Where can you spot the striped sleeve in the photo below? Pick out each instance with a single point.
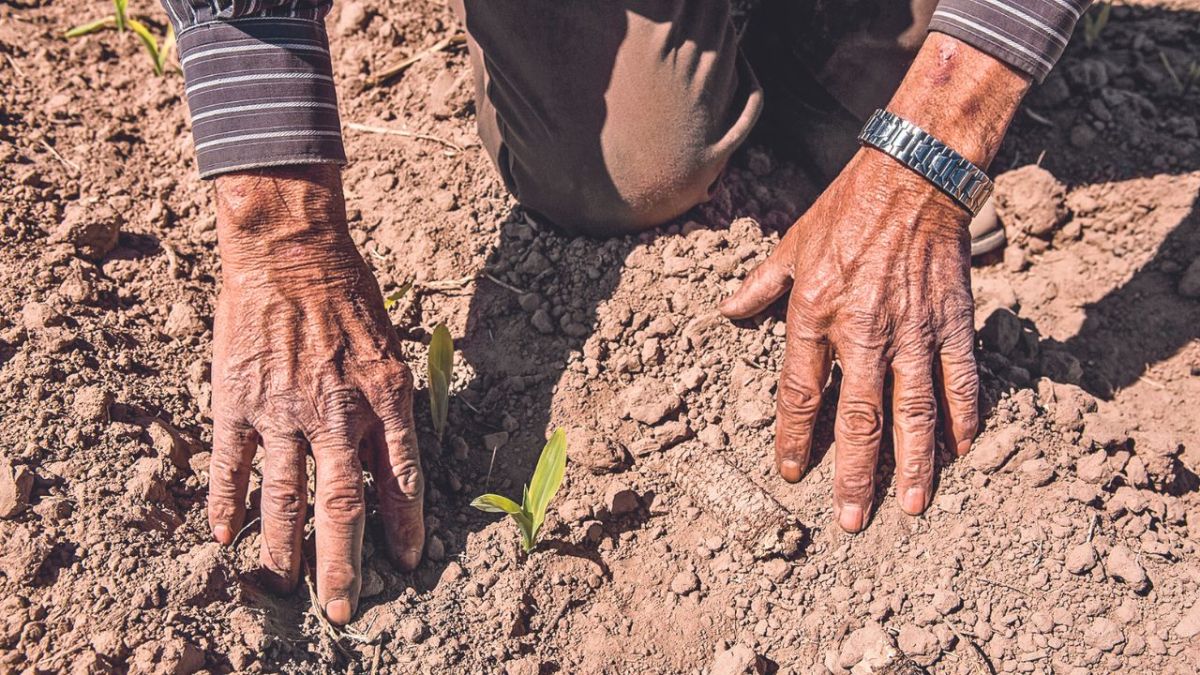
(1029, 35)
(259, 82)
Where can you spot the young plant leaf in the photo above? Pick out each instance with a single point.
(149, 41)
(496, 504)
(91, 27)
(119, 9)
(395, 296)
(441, 375)
(536, 495)
(547, 477)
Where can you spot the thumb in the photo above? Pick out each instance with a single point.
(764, 285)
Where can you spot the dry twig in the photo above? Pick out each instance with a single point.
(403, 133)
(399, 68)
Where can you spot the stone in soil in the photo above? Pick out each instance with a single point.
(620, 499)
(1031, 201)
(16, 482)
(1121, 565)
(93, 229)
(737, 660)
(1080, 559)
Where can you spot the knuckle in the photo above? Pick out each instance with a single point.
(337, 575)
(962, 383)
(856, 484)
(284, 503)
(916, 413)
(407, 482)
(797, 398)
(343, 503)
(860, 422)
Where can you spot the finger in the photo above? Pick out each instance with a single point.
(339, 516)
(914, 420)
(763, 285)
(234, 443)
(857, 433)
(958, 388)
(400, 484)
(806, 364)
(284, 507)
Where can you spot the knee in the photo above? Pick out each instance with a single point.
(629, 192)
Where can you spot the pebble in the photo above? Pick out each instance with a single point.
(1121, 564)
(183, 321)
(776, 569)
(353, 18)
(620, 499)
(602, 457)
(92, 228)
(737, 660)
(1080, 559)
(946, 602)
(16, 482)
(684, 583)
(413, 630)
(435, 550)
(91, 404)
(992, 450)
(542, 322)
(919, 644)
(648, 409)
(1039, 471)
(1104, 634)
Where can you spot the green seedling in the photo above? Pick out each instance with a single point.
(531, 512)
(121, 21)
(441, 374)
(1093, 24)
(1190, 74)
(396, 296)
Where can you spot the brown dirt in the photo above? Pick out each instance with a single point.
(1068, 541)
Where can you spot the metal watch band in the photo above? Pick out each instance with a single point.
(966, 183)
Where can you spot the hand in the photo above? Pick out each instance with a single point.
(879, 272)
(304, 359)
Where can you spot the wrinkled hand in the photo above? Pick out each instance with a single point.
(879, 272)
(306, 360)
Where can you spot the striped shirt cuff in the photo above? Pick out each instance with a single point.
(1029, 35)
(261, 93)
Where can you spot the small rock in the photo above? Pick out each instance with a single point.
(1039, 471)
(1104, 634)
(435, 549)
(737, 660)
(91, 404)
(946, 602)
(620, 499)
(777, 569)
(1121, 564)
(1030, 200)
(16, 482)
(1094, 468)
(183, 321)
(170, 445)
(649, 409)
(1061, 366)
(867, 650)
(919, 644)
(1080, 559)
(372, 583)
(93, 229)
(1001, 332)
(352, 19)
(542, 322)
(38, 315)
(602, 457)
(413, 631)
(993, 450)
(684, 583)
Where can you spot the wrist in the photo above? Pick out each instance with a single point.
(961, 96)
(282, 219)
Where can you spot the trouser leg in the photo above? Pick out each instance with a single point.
(609, 116)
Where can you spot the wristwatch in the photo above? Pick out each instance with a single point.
(966, 183)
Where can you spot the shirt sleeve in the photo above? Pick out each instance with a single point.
(259, 82)
(1029, 35)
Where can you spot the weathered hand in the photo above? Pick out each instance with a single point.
(879, 271)
(304, 358)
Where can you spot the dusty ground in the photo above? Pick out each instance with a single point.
(1069, 541)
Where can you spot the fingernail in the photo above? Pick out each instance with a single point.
(791, 470)
(963, 446)
(410, 559)
(338, 611)
(851, 517)
(223, 534)
(913, 501)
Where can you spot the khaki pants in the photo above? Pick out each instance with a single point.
(613, 116)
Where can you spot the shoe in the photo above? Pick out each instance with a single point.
(987, 235)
